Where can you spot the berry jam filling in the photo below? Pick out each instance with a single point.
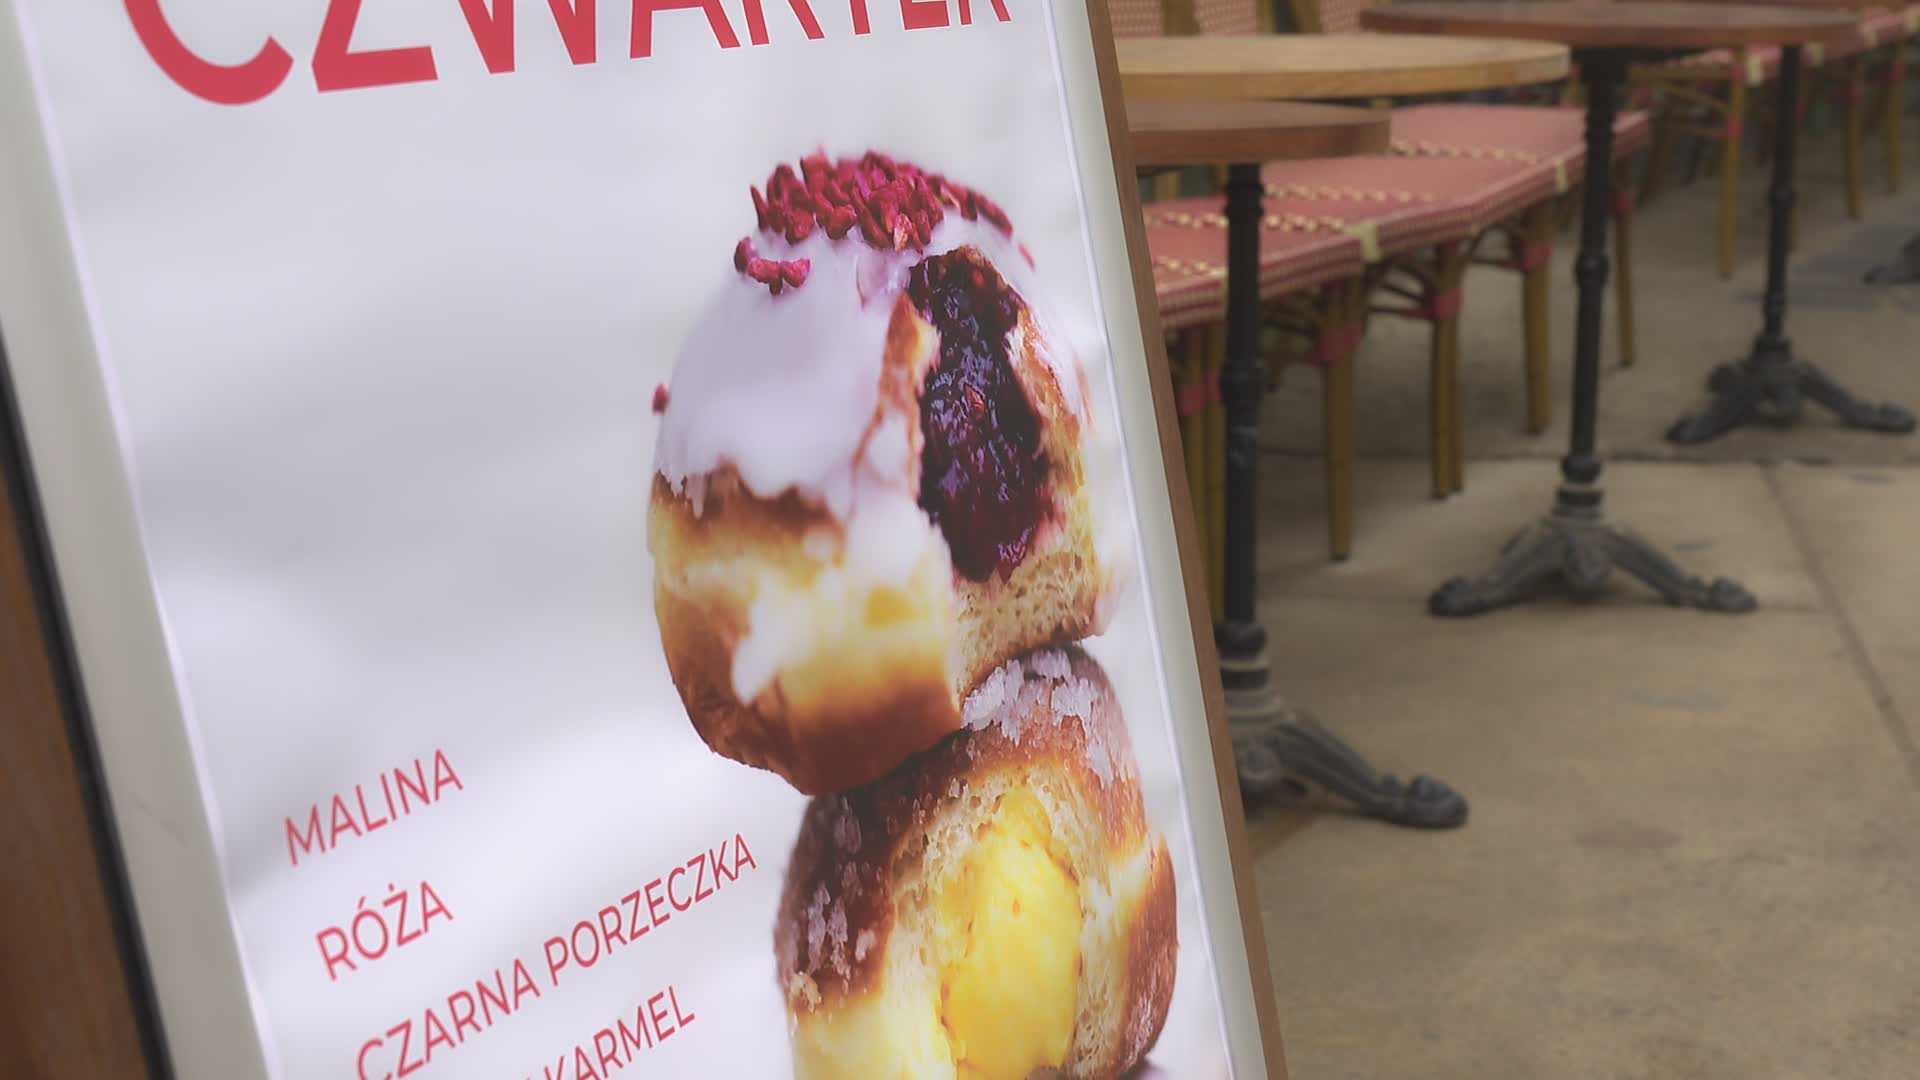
(983, 477)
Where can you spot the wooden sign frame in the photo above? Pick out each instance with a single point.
(80, 988)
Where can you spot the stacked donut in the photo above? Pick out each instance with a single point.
(873, 537)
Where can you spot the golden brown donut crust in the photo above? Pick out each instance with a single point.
(851, 708)
(849, 845)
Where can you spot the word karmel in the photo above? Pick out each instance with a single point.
(338, 65)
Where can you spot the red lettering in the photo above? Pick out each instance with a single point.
(1000, 10)
(576, 23)
(342, 822)
(700, 889)
(493, 32)
(418, 786)
(555, 963)
(222, 84)
(337, 67)
(444, 775)
(611, 931)
(658, 1015)
(721, 871)
(360, 797)
(494, 997)
(630, 1041)
(462, 1021)
(741, 856)
(361, 1061)
(923, 14)
(522, 983)
(405, 1031)
(308, 841)
(592, 938)
(436, 1035)
(634, 929)
(677, 873)
(860, 24)
(643, 12)
(607, 1052)
(655, 903)
(583, 1066)
(757, 21)
(683, 1018)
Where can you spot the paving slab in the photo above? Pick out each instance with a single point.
(1862, 529)
(1716, 520)
(1692, 853)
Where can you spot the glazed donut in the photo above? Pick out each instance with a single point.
(869, 487)
(997, 908)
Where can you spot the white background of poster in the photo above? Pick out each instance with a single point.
(519, 255)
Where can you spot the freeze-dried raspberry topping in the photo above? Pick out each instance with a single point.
(892, 205)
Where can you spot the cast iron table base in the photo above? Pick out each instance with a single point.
(1275, 746)
(1771, 381)
(1575, 543)
(1902, 271)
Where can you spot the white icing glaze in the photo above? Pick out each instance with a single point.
(783, 388)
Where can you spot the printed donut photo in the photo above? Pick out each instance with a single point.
(870, 488)
(996, 909)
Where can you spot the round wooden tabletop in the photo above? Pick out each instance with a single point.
(1202, 132)
(1830, 5)
(1626, 24)
(1329, 66)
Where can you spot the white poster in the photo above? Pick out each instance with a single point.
(635, 494)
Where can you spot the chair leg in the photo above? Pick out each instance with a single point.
(1336, 387)
(1448, 279)
(1622, 290)
(1439, 412)
(1850, 88)
(1730, 163)
(1666, 131)
(1536, 233)
(1890, 123)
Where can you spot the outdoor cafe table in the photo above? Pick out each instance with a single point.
(1772, 376)
(1320, 66)
(1574, 542)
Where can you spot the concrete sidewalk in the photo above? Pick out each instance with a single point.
(1695, 843)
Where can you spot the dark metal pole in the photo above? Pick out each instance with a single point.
(1276, 746)
(1241, 385)
(1773, 306)
(1772, 379)
(1603, 72)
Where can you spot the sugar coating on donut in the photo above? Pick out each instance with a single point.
(781, 381)
(1041, 688)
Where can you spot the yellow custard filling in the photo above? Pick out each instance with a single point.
(1010, 926)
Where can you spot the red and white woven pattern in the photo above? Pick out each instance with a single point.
(1341, 16)
(1227, 16)
(1480, 193)
(1762, 63)
(1136, 18)
(1886, 28)
(1187, 239)
(1550, 138)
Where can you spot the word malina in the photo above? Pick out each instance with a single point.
(338, 64)
(371, 807)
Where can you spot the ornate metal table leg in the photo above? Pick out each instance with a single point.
(1270, 741)
(1771, 379)
(1902, 271)
(1296, 751)
(1574, 544)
